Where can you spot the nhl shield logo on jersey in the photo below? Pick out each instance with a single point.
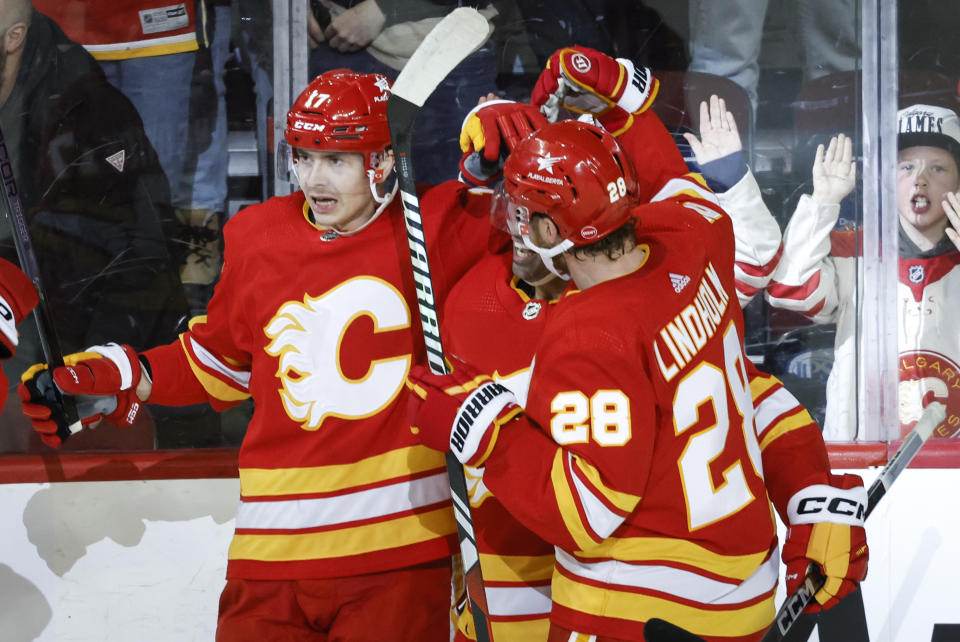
(923, 373)
(532, 310)
(916, 274)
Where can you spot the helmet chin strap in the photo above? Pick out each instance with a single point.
(382, 201)
(547, 254)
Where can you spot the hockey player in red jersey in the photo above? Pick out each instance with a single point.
(637, 454)
(17, 298)
(344, 528)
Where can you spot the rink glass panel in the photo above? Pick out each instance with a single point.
(120, 278)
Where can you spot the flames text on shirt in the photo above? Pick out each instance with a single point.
(690, 330)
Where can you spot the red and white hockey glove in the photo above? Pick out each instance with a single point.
(826, 528)
(462, 411)
(17, 298)
(587, 81)
(103, 377)
(489, 132)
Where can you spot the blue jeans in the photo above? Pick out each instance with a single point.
(207, 186)
(159, 88)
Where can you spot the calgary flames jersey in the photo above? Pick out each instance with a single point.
(122, 29)
(492, 324)
(637, 456)
(321, 330)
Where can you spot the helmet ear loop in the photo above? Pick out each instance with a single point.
(390, 185)
(376, 175)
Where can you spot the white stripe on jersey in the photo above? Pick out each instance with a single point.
(349, 507)
(687, 585)
(239, 377)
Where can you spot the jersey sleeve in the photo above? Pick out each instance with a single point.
(664, 176)
(793, 452)
(655, 156)
(558, 479)
(805, 280)
(757, 235)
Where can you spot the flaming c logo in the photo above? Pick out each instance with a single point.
(921, 373)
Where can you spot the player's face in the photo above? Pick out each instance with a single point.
(336, 187)
(527, 264)
(924, 176)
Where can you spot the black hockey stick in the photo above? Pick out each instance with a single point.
(657, 630)
(28, 263)
(814, 580)
(454, 38)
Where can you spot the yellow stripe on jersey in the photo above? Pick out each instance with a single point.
(516, 568)
(666, 549)
(568, 505)
(215, 387)
(793, 422)
(691, 185)
(537, 629)
(395, 533)
(759, 386)
(623, 501)
(402, 462)
(160, 46)
(144, 52)
(637, 607)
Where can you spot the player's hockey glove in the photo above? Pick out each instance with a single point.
(17, 298)
(489, 132)
(826, 528)
(461, 412)
(104, 378)
(590, 82)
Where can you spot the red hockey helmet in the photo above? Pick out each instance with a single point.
(575, 173)
(341, 110)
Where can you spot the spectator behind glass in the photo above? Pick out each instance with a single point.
(817, 275)
(148, 50)
(378, 36)
(93, 192)
(725, 38)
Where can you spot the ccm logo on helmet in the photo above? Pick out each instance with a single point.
(835, 505)
(308, 127)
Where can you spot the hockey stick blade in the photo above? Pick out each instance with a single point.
(454, 38)
(793, 606)
(657, 630)
(49, 344)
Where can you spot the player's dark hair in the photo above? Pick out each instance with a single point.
(613, 245)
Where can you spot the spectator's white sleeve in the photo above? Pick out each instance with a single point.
(805, 280)
(757, 235)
